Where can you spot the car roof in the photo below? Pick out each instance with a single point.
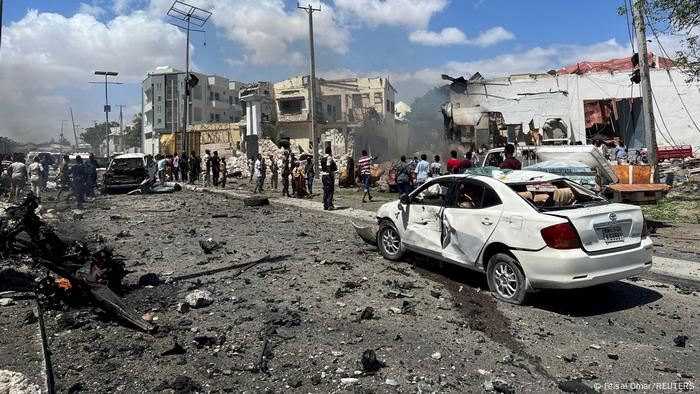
(514, 177)
(131, 156)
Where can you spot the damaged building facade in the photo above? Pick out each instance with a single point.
(590, 100)
(214, 99)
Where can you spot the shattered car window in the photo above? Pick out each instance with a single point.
(560, 194)
(126, 164)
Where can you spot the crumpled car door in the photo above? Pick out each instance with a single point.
(424, 227)
(466, 231)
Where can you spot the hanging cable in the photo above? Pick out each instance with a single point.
(675, 87)
(629, 30)
(658, 110)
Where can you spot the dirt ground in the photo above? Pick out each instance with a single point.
(299, 319)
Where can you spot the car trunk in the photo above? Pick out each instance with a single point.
(606, 226)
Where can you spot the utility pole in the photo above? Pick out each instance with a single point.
(60, 145)
(645, 83)
(312, 84)
(121, 127)
(191, 15)
(75, 133)
(107, 108)
(0, 22)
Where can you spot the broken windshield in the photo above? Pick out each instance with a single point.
(556, 195)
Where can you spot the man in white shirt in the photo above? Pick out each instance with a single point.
(422, 169)
(18, 173)
(36, 177)
(259, 179)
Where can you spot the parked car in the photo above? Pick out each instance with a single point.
(526, 230)
(125, 172)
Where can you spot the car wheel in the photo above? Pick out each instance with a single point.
(506, 279)
(389, 241)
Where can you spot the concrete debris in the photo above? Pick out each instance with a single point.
(499, 385)
(199, 299)
(209, 245)
(16, 383)
(391, 382)
(575, 386)
(367, 313)
(680, 340)
(436, 356)
(6, 301)
(595, 346)
(149, 279)
(370, 363)
(349, 381)
(613, 356)
(183, 307)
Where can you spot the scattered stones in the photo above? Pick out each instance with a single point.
(16, 383)
(680, 340)
(6, 301)
(30, 318)
(570, 359)
(370, 363)
(209, 245)
(391, 382)
(202, 341)
(349, 381)
(149, 279)
(499, 385)
(78, 215)
(199, 299)
(613, 356)
(575, 386)
(183, 307)
(436, 356)
(148, 317)
(367, 313)
(337, 353)
(595, 346)
(174, 349)
(181, 384)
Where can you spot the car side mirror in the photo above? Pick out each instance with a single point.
(405, 199)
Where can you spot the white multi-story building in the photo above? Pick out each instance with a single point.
(213, 100)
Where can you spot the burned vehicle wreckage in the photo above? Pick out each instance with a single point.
(92, 274)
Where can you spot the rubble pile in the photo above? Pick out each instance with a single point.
(85, 274)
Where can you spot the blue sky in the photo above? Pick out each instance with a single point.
(51, 47)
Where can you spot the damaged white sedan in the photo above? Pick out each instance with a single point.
(526, 230)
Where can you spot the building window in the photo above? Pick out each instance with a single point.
(160, 121)
(230, 100)
(291, 107)
(216, 96)
(218, 117)
(211, 117)
(160, 98)
(211, 96)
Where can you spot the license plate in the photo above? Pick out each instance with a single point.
(612, 234)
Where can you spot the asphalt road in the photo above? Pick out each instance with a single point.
(302, 310)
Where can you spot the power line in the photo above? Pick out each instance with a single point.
(675, 87)
(629, 30)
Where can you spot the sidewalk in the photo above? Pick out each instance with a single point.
(662, 268)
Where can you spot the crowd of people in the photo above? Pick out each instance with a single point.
(77, 179)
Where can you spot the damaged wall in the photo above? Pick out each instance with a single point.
(566, 95)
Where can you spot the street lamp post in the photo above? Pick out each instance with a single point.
(107, 107)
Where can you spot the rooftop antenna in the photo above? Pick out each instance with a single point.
(196, 16)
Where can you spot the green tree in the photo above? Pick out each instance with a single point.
(96, 135)
(677, 18)
(132, 133)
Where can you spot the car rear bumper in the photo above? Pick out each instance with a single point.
(122, 186)
(569, 269)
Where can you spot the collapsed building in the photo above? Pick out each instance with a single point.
(580, 103)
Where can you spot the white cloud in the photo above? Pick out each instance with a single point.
(410, 13)
(45, 56)
(93, 9)
(121, 6)
(454, 36)
(269, 32)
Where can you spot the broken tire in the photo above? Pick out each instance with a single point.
(506, 279)
(389, 241)
(256, 201)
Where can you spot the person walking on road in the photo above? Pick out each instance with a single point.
(18, 173)
(176, 167)
(274, 173)
(285, 174)
(258, 170)
(224, 172)
(310, 174)
(328, 170)
(422, 169)
(63, 177)
(36, 178)
(215, 168)
(162, 161)
(79, 181)
(365, 164)
(207, 166)
(195, 167)
(403, 177)
(436, 167)
(184, 162)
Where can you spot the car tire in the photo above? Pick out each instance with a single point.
(506, 279)
(389, 241)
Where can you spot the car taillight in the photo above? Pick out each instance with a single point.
(561, 236)
(645, 229)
